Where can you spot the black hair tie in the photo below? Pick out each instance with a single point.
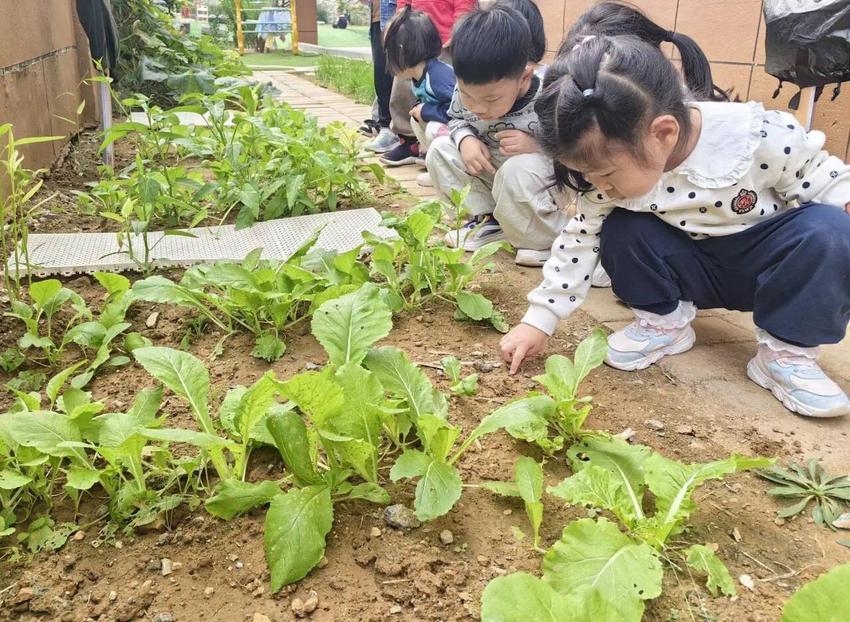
(669, 36)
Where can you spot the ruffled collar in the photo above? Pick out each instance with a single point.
(731, 133)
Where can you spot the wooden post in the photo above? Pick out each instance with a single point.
(240, 36)
(294, 34)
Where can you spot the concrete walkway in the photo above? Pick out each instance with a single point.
(715, 368)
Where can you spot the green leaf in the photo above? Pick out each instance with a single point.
(82, 479)
(297, 524)
(532, 415)
(589, 355)
(317, 395)
(437, 491)
(55, 384)
(560, 377)
(475, 306)
(42, 291)
(190, 437)
(596, 553)
(521, 597)
(703, 559)
(12, 480)
(370, 492)
(599, 488)
(363, 397)
(256, 403)
(233, 497)
(113, 283)
(290, 437)
(44, 431)
(505, 489)
(511, 416)
(349, 325)
(438, 436)
(146, 405)
(529, 481)
(184, 374)
(401, 377)
(826, 599)
(412, 463)
(268, 347)
(622, 459)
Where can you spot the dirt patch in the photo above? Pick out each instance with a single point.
(413, 576)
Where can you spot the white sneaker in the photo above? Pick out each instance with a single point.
(424, 180)
(600, 278)
(798, 382)
(531, 258)
(644, 341)
(476, 233)
(383, 142)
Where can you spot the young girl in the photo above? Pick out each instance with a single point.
(413, 45)
(691, 205)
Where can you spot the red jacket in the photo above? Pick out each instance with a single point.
(444, 13)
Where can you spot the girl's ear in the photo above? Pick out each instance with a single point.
(665, 131)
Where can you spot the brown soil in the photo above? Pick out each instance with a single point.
(412, 576)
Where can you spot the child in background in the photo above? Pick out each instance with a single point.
(379, 126)
(413, 45)
(690, 205)
(492, 145)
(529, 10)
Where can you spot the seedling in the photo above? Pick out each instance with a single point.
(809, 484)
(459, 386)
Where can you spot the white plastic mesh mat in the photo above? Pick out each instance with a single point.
(73, 253)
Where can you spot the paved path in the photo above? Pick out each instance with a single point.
(715, 368)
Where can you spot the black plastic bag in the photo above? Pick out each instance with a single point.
(808, 41)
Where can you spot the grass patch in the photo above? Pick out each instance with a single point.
(280, 58)
(351, 37)
(347, 76)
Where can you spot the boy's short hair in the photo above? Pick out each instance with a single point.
(491, 44)
(409, 39)
(532, 15)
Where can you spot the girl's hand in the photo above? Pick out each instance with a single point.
(416, 112)
(515, 142)
(521, 342)
(475, 156)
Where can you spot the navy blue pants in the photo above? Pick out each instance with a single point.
(792, 271)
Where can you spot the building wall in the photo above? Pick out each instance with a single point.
(44, 57)
(731, 32)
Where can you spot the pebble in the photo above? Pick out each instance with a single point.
(113, 596)
(310, 366)
(375, 533)
(80, 535)
(165, 616)
(297, 606)
(654, 424)
(167, 566)
(152, 320)
(507, 512)
(24, 595)
(446, 536)
(209, 591)
(400, 516)
(395, 609)
(485, 367)
(323, 562)
(778, 521)
(261, 617)
(312, 602)
(747, 581)
(482, 560)
(687, 430)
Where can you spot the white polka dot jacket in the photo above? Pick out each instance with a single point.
(748, 165)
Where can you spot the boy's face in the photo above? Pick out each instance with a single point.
(494, 99)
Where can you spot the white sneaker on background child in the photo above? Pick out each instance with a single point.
(424, 180)
(531, 258)
(651, 337)
(480, 230)
(794, 377)
(383, 142)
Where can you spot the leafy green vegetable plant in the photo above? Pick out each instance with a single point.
(806, 484)
(606, 574)
(459, 385)
(825, 599)
(561, 411)
(528, 486)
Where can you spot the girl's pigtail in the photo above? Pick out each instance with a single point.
(696, 68)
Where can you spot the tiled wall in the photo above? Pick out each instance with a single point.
(731, 32)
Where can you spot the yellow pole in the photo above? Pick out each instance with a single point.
(294, 33)
(240, 36)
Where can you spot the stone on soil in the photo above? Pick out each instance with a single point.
(400, 516)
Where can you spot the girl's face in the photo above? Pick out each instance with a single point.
(624, 172)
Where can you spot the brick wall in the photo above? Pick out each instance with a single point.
(731, 32)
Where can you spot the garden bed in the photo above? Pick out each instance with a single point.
(373, 572)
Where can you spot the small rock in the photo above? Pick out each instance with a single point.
(736, 534)
(485, 367)
(446, 536)
(687, 430)
(209, 591)
(154, 565)
(239, 565)
(400, 516)
(24, 595)
(310, 366)
(260, 617)
(654, 424)
(113, 596)
(482, 560)
(842, 522)
(375, 533)
(312, 602)
(152, 320)
(747, 581)
(323, 562)
(167, 566)
(778, 521)
(507, 512)
(165, 616)
(80, 535)
(297, 606)
(626, 434)
(395, 609)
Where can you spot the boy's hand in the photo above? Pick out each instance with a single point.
(416, 112)
(515, 142)
(523, 341)
(475, 156)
